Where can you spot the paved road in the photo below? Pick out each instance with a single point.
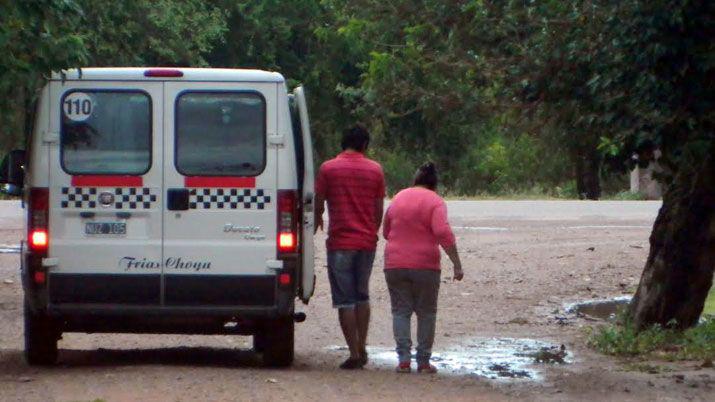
(11, 213)
(554, 210)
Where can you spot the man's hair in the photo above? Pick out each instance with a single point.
(426, 176)
(356, 137)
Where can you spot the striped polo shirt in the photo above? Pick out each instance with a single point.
(352, 185)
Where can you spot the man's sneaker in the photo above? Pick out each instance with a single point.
(363, 358)
(426, 369)
(404, 367)
(351, 364)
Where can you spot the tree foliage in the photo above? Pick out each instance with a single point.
(298, 39)
(151, 32)
(504, 95)
(36, 37)
(42, 36)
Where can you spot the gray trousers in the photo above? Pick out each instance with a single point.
(413, 291)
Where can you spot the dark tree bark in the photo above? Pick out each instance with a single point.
(588, 172)
(679, 270)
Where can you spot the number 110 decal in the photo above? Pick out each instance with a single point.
(77, 106)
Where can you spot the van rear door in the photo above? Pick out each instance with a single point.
(308, 194)
(105, 198)
(220, 185)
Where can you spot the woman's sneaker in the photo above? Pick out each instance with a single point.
(404, 367)
(426, 369)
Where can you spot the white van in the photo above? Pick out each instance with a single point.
(166, 200)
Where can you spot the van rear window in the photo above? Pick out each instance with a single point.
(220, 133)
(106, 132)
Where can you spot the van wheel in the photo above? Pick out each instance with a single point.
(41, 336)
(275, 340)
(259, 341)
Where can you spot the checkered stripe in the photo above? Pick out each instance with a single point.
(124, 197)
(228, 198)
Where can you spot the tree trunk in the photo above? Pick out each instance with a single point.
(588, 170)
(679, 270)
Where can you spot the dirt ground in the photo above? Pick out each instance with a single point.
(520, 275)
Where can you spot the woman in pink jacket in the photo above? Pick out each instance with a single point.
(415, 226)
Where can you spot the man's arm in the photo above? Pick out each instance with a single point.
(380, 202)
(320, 188)
(319, 209)
(379, 210)
(386, 225)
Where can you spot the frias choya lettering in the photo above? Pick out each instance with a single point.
(132, 263)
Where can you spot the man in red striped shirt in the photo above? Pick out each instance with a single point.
(354, 188)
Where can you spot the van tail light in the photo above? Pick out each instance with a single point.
(286, 242)
(284, 279)
(38, 218)
(38, 236)
(287, 221)
(38, 239)
(287, 237)
(39, 277)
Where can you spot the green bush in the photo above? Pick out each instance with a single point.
(567, 190)
(504, 163)
(399, 169)
(496, 164)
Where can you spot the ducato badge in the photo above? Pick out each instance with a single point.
(106, 198)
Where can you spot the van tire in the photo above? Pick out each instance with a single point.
(41, 336)
(259, 341)
(276, 341)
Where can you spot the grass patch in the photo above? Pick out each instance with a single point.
(623, 340)
(542, 193)
(646, 368)
(533, 193)
(625, 196)
(503, 197)
(710, 303)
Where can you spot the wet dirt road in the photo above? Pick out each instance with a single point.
(525, 263)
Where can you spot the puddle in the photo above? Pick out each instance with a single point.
(605, 309)
(497, 359)
(9, 249)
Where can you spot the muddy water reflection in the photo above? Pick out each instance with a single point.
(600, 309)
(496, 358)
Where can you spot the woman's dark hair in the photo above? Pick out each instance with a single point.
(426, 176)
(356, 137)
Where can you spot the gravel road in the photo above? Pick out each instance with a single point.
(525, 262)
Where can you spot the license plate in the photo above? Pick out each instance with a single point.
(105, 228)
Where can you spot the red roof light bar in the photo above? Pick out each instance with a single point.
(163, 73)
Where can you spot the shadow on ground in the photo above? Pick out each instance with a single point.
(177, 356)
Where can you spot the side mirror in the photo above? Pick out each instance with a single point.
(12, 173)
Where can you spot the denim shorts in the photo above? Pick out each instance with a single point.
(349, 274)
